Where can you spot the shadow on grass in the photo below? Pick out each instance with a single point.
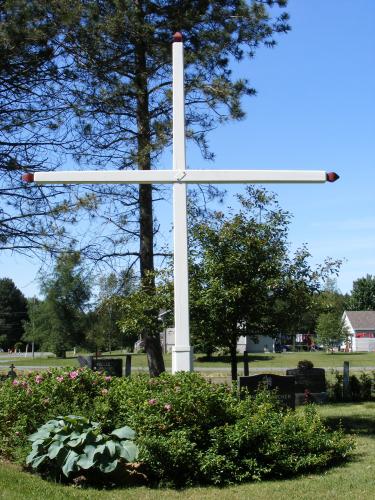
(240, 359)
(353, 424)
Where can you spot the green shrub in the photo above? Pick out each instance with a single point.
(188, 430)
(72, 445)
(31, 399)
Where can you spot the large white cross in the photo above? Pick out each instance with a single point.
(179, 177)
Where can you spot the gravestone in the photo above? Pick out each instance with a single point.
(109, 366)
(284, 385)
(310, 384)
(85, 361)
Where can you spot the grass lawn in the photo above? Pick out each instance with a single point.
(354, 480)
(268, 361)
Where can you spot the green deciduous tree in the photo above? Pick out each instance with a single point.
(13, 312)
(58, 322)
(243, 281)
(331, 331)
(363, 294)
(103, 330)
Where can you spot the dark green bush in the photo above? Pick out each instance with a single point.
(188, 430)
(305, 364)
(359, 388)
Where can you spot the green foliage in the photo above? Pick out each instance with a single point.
(28, 401)
(140, 312)
(243, 280)
(189, 431)
(72, 444)
(58, 322)
(359, 389)
(13, 312)
(330, 330)
(363, 294)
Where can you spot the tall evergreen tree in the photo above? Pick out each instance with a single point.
(122, 61)
(13, 312)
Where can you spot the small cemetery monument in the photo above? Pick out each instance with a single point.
(284, 386)
(310, 383)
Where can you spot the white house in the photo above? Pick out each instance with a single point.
(264, 344)
(361, 328)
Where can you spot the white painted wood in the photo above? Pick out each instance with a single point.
(180, 175)
(182, 351)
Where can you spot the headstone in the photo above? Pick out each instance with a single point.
(310, 384)
(284, 385)
(85, 361)
(109, 366)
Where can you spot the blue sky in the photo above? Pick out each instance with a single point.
(315, 109)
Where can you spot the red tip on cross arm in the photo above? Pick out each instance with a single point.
(332, 176)
(28, 177)
(177, 37)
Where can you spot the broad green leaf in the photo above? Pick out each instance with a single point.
(31, 456)
(40, 434)
(129, 451)
(99, 449)
(70, 463)
(108, 466)
(123, 433)
(37, 444)
(37, 461)
(111, 447)
(89, 449)
(85, 462)
(54, 449)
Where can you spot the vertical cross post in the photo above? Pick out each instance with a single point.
(182, 351)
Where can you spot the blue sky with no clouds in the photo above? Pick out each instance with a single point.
(315, 109)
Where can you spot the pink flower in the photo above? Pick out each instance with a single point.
(74, 374)
(167, 407)
(152, 401)
(24, 383)
(15, 382)
(104, 392)
(60, 378)
(38, 379)
(107, 378)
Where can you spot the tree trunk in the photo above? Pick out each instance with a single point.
(146, 250)
(233, 360)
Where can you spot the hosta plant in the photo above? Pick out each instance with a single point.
(73, 445)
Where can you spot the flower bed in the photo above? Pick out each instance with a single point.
(188, 430)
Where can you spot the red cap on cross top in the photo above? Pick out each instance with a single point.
(177, 37)
(28, 177)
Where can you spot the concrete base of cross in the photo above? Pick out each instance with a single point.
(182, 359)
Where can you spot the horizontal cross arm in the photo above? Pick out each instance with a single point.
(173, 176)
